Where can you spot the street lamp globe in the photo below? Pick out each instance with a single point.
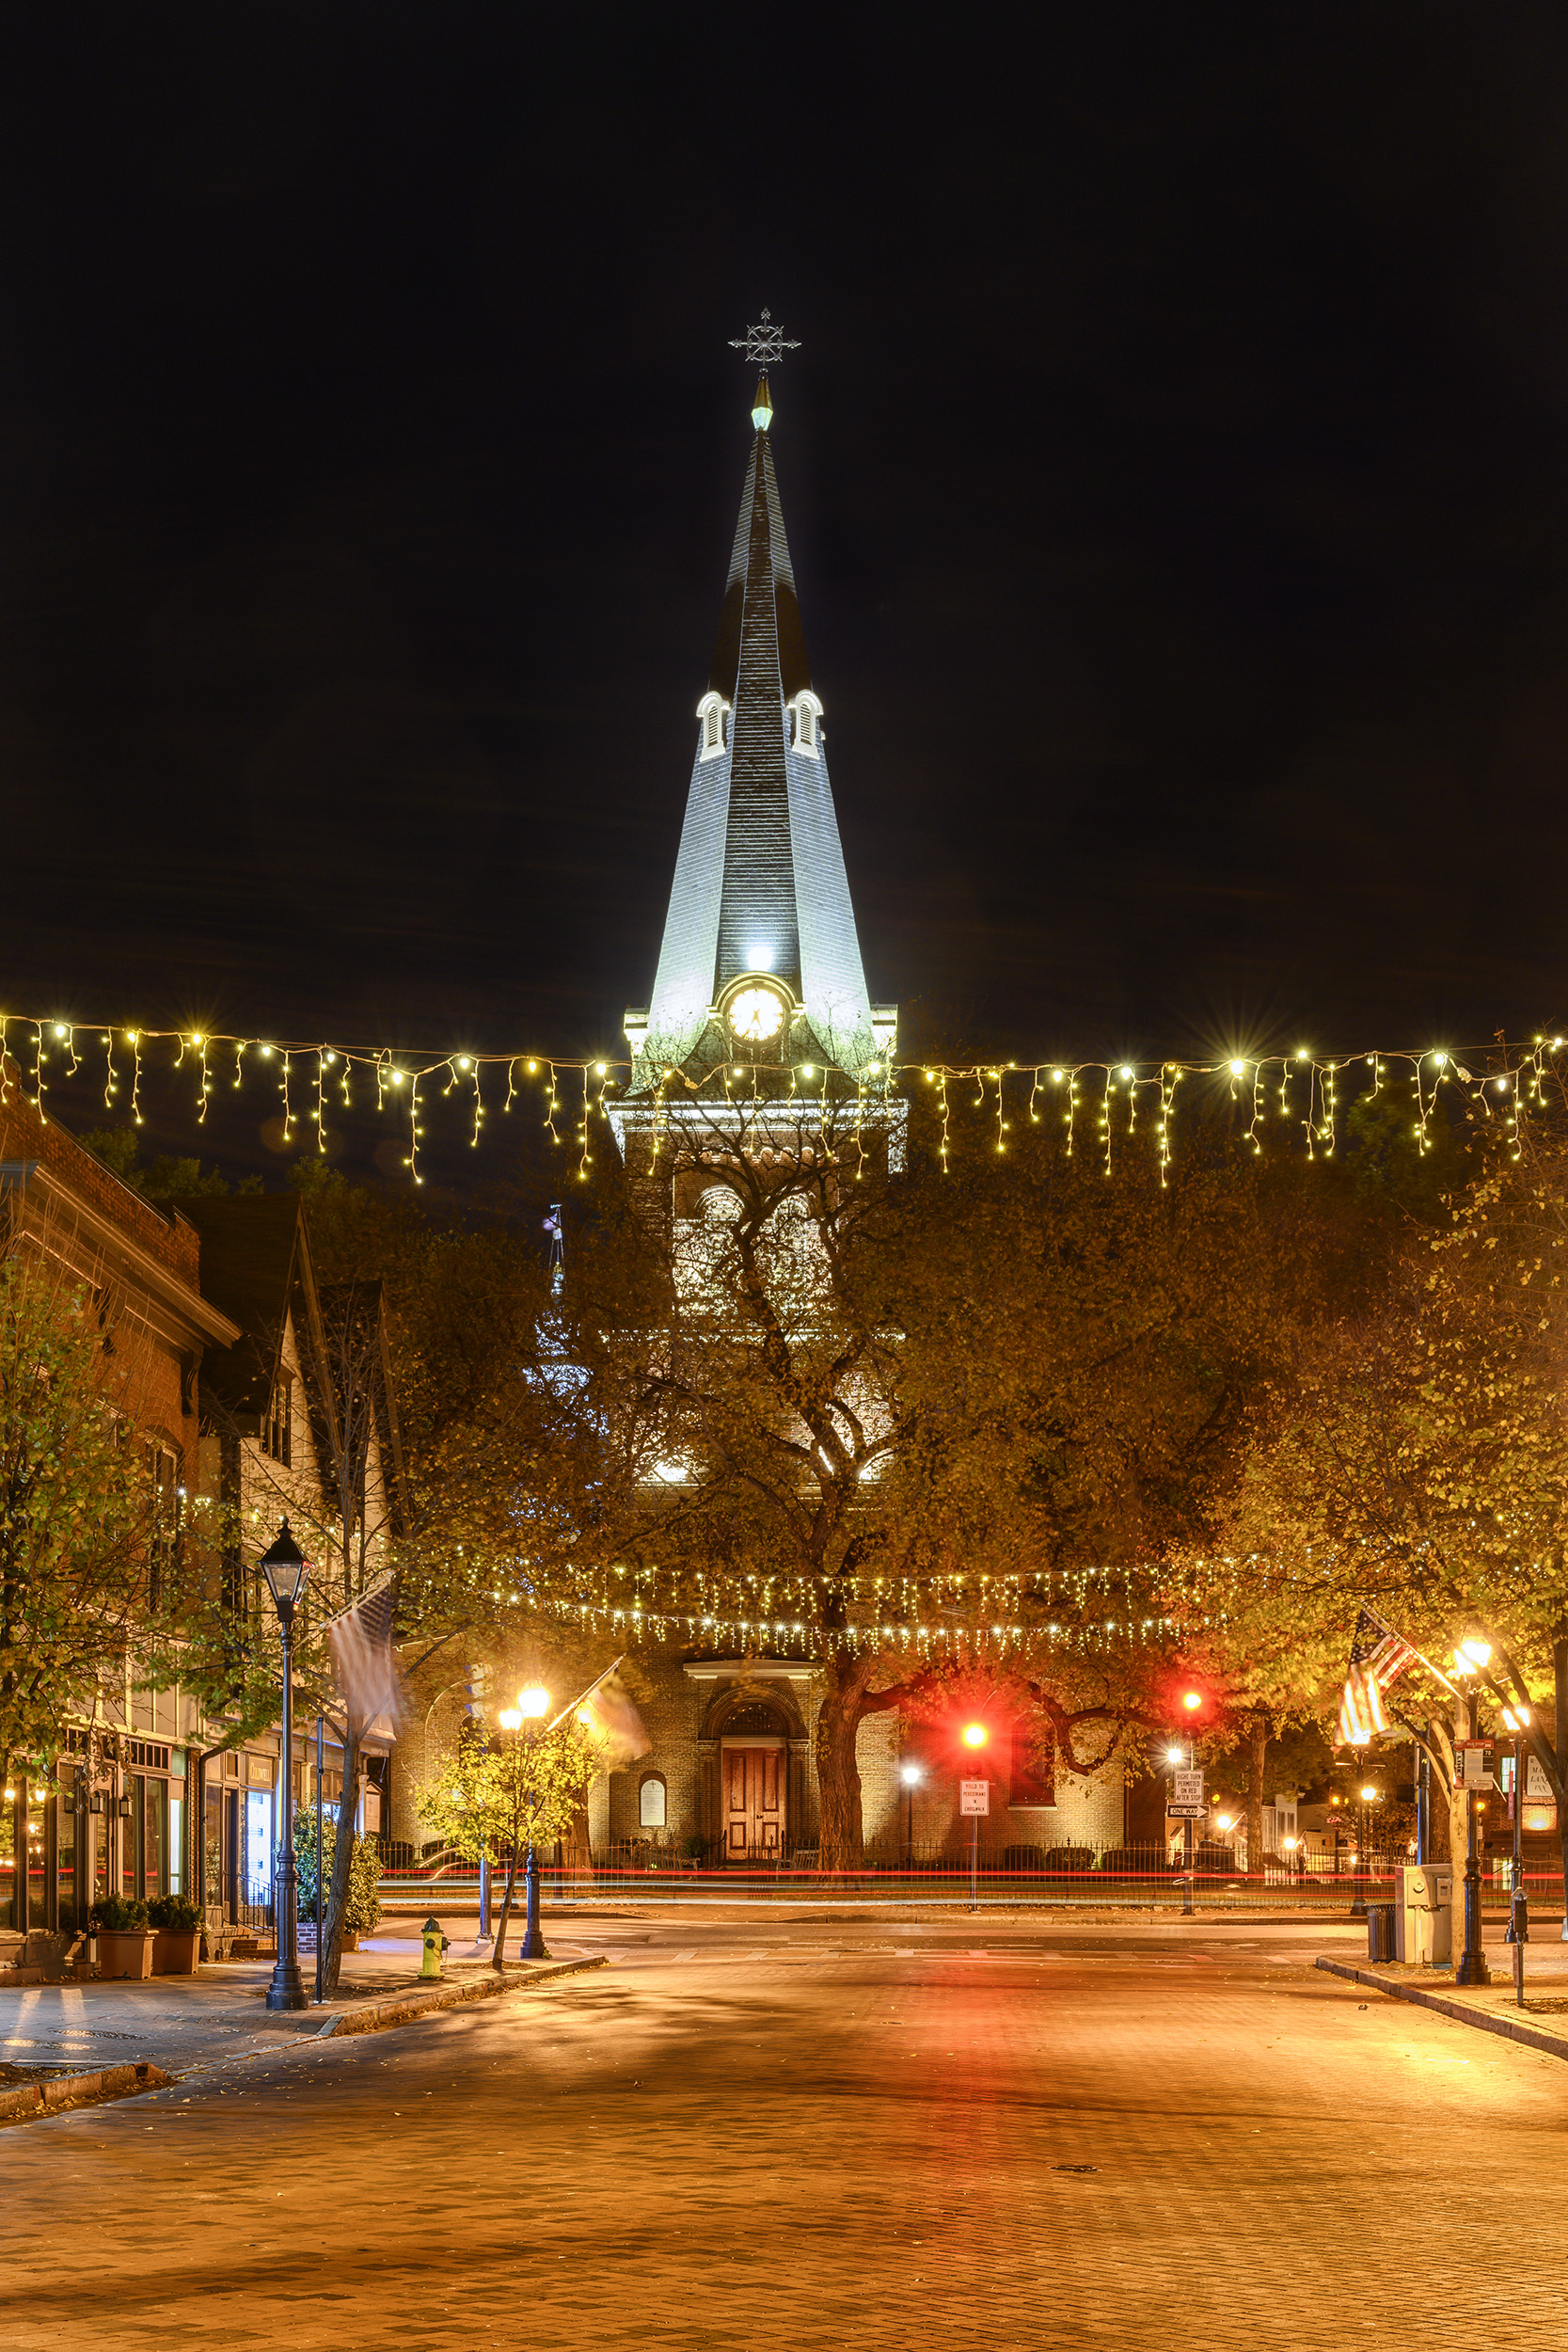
(910, 1773)
(283, 1565)
(510, 1719)
(533, 1702)
(1175, 1756)
(1370, 1796)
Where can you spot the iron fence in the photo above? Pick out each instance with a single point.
(1123, 1877)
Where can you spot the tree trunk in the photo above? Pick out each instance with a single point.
(1255, 1797)
(841, 1843)
(1560, 1750)
(1459, 1834)
(342, 1860)
(497, 1958)
(576, 1852)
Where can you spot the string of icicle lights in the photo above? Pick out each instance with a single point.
(1100, 1610)
(1100, 1106)
(815, 1641)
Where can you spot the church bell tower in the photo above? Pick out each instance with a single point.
(760, 960)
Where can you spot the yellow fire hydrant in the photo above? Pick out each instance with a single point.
(434, 1945)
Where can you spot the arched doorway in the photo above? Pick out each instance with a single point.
(753, 1777)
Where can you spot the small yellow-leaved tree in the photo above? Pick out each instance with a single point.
(508, 1791)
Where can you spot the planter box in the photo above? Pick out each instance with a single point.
(125, 1953)
(174, 1951)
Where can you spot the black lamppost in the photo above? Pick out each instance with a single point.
(1472, 1657)
(1518, 1908)
(533, 1705)
(910, 1774)
(1370, 1796)
(284, 1567)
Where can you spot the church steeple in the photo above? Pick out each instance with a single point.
(760, 945)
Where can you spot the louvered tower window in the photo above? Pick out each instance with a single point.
(806, 710)
(711, 710)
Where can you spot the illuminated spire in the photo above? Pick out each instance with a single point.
(760, 886)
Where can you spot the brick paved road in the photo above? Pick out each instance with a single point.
(826, 2145)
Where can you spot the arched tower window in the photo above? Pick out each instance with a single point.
(712, 712)
(650, 1801)
(807, 711)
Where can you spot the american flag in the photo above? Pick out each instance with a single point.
(1378, 1659)
(1378, 1656)
(606, 1709)
(1377, 1649)
(363, 1657)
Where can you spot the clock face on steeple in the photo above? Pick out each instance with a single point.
(756, 1013)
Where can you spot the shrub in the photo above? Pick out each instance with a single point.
(175, 1914)
(118, 1916)
(363, 1910)
(1070, 1858)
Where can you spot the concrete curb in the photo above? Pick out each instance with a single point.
(24, 2100)
(1490, 2021)
(404, 2007)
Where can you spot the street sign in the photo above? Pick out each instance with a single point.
(1476, 1762)
(1538, 1788)
(1187, 1812)
(974, 1796)
(1188, 1788)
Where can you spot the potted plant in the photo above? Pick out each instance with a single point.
(177, 1935)
(124, 1938)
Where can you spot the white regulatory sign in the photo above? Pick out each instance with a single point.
(1189, 1787)
(974, 1796)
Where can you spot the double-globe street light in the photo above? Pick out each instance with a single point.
(1370, 1796)
(533, 1706)
(284, 1567)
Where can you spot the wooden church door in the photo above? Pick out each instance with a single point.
(754, 1803)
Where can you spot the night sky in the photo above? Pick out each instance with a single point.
(1175, 463)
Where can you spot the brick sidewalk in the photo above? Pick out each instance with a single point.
(818, 2151)
(183, 2021)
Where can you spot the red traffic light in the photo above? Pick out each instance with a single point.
(1192, 1701)
(975, 1735)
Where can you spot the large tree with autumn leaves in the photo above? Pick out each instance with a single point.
(895, 1420)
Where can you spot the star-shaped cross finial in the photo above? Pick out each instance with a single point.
(765, 345)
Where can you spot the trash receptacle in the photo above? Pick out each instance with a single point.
(1380, 1931)
(1427, 1891)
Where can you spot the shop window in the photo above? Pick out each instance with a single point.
(650, 1801)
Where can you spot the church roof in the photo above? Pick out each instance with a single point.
(760, 885)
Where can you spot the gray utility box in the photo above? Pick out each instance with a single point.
(1423, 1920)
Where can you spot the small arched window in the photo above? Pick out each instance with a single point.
(650, 1801)
(806, 710)
(710, 712)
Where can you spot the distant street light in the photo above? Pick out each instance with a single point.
(1370, 1796)
(284, 1567)
(911, 1775)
